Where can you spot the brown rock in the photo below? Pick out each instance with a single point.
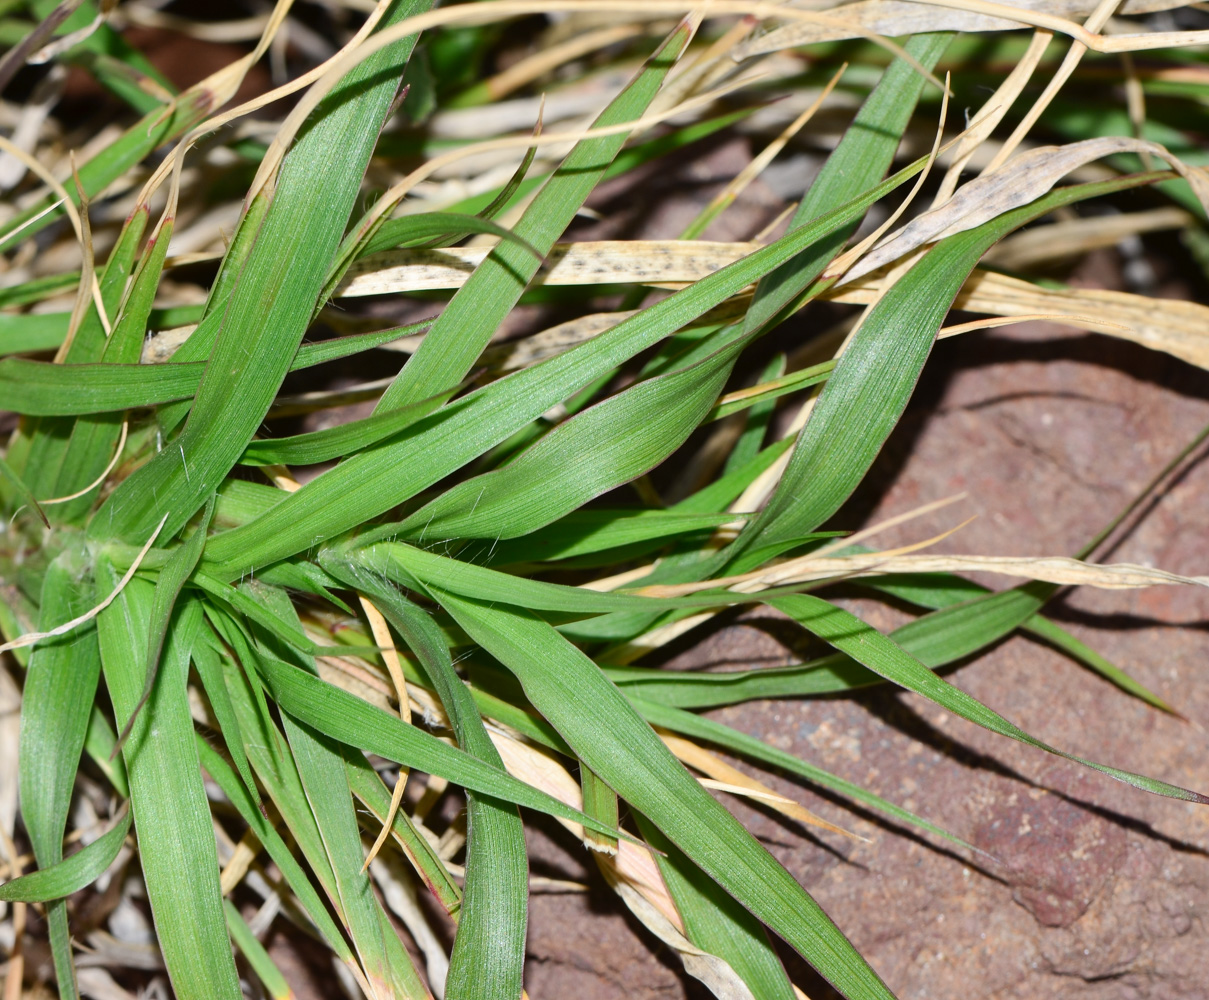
(1055, 854)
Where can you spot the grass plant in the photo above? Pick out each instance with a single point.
(255, 638)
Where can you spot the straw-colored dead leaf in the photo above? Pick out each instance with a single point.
(1051, 569)
(714, 972)
(1174, 326)
(1073, 237)
(1019, 181)
(728, 778)
(905, 17)
(589, 263)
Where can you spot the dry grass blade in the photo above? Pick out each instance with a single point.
(845, 260)
(1095, 21)
(739, 183)
(1043, 18)
(859, 537)
(237, 865)
(1069, 238)
(88, 287)
(117, 454)
(992, 114)
(589, 263)
(1052, 569)
(547, 59)
(224, 84)
(1170, 325)
(390, 656)
(727, 778)
(994, 322)
(338, 66)
(903, 17)
(16, 959)
(631, 872)
(1022, 180)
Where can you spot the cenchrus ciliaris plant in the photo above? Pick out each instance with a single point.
(251, 638)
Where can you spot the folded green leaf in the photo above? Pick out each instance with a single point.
(875, 376)
(73, 873)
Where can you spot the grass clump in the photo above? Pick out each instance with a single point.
(257, 635)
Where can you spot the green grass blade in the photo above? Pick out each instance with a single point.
(37, 289)
(406, 565)
(54, 468)
(336, 442)
(488, 954)
(937, 639)
(29, 333)
(601, 802)
(695, 689)
(321, 767)
(858, 162)
(427, 228)
(314, 194)
(60, 687)
(597, 450)
(276, 847)
(777, 388)
(37, 388)
(258, 958)
(745, 745)
(94, 439)
(611, 738)
(367, 485)
(367, 785)
(941, 590)
(99, 743)
(874, 378)
(755, 422)
(584, 532)
(171, 814)
(208, 663)
(480, 305)
(884, 657)
(172, 578)
(23, 492)
(73, 874)
(269, 754)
